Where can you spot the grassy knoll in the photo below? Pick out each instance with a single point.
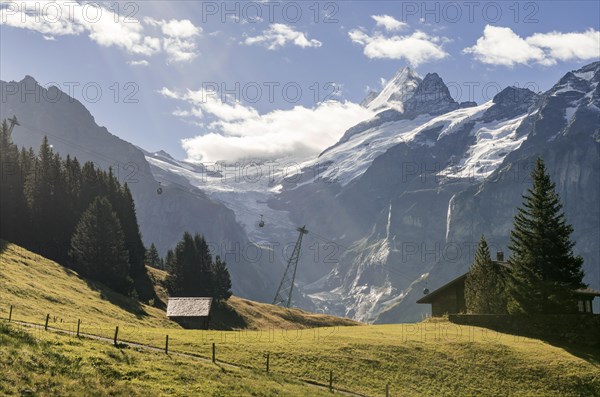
(434, 358)
(36, 286)
(46, 364)
(427, 359)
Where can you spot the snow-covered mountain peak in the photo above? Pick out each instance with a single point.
(430, 97)
(510, 102)
(396, 92)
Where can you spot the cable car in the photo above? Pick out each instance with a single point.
(261, 223)
(159, 190)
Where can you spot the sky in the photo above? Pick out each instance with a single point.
(214, 80)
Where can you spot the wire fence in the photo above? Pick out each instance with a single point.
(220, 347)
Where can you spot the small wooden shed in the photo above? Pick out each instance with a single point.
(193, 313)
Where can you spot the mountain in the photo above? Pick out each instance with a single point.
(395, 92)
(399, 203)
(163, 218)
(406, 195)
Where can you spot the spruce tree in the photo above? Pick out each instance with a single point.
(221, 280)
(484, 285)
(544, 271)
(97, 246)
(14, 214)
(152, 257)
(190, 268)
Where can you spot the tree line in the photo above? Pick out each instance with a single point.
(63, 210)
(542, 273)
(82, 217)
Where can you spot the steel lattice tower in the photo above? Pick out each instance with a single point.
(283, 297)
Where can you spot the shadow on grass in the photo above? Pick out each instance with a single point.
(3, 246)
(587, 353)
(126, 303)
(225, 318)
(583, 350)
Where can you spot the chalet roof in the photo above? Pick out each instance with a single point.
(189, 307)
(460, 279)
(432, 295)
(429, 298)
(588, 291)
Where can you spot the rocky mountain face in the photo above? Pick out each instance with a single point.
(563, 129)
(163, 218)
(406, 195)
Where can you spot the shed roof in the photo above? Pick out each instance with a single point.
(189, 307)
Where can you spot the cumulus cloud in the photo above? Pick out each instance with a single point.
(389, 23)
(179, 41)
(416, 48)
(278, 35)
(103, 26)
(502, 46)
(235, 131)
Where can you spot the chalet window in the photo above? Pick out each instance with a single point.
(581, 305)
(588, 305)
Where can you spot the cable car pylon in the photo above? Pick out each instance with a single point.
(283, 297)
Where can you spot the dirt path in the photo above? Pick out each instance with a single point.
(188, 355)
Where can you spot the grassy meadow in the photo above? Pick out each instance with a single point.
(432, 358)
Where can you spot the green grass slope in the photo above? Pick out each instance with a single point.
(36, 286)
(433, 358)
(48, 364)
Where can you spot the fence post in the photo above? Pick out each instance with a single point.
(387, 390)
(331, 380)
(267, 362)
(47, 319)
(167, 345)
(10, 314)
(116, 334)
(214, 358)
(78, 324)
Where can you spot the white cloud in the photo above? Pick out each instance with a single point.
(103, 26)
(183, 28)
(389, 23)
(179, 43)
(416, 48)
(142, 62)
(502, 46)
(278, 35)
(238, 131)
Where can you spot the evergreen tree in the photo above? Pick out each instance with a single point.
(152, 257)
(544, 271)
(97, 246)
(190, 272)
(40, 192)
(484, 285)
(13, 209)
(221, 280)
(125, 208)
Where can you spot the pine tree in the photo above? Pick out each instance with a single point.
(40, 189)
(484, 285)
(14, 214)
(125, 208)
(544, 271)
(97, 246)
(190, 268)
(221, 280)
(152, 257)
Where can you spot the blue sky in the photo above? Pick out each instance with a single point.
(166, 53)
